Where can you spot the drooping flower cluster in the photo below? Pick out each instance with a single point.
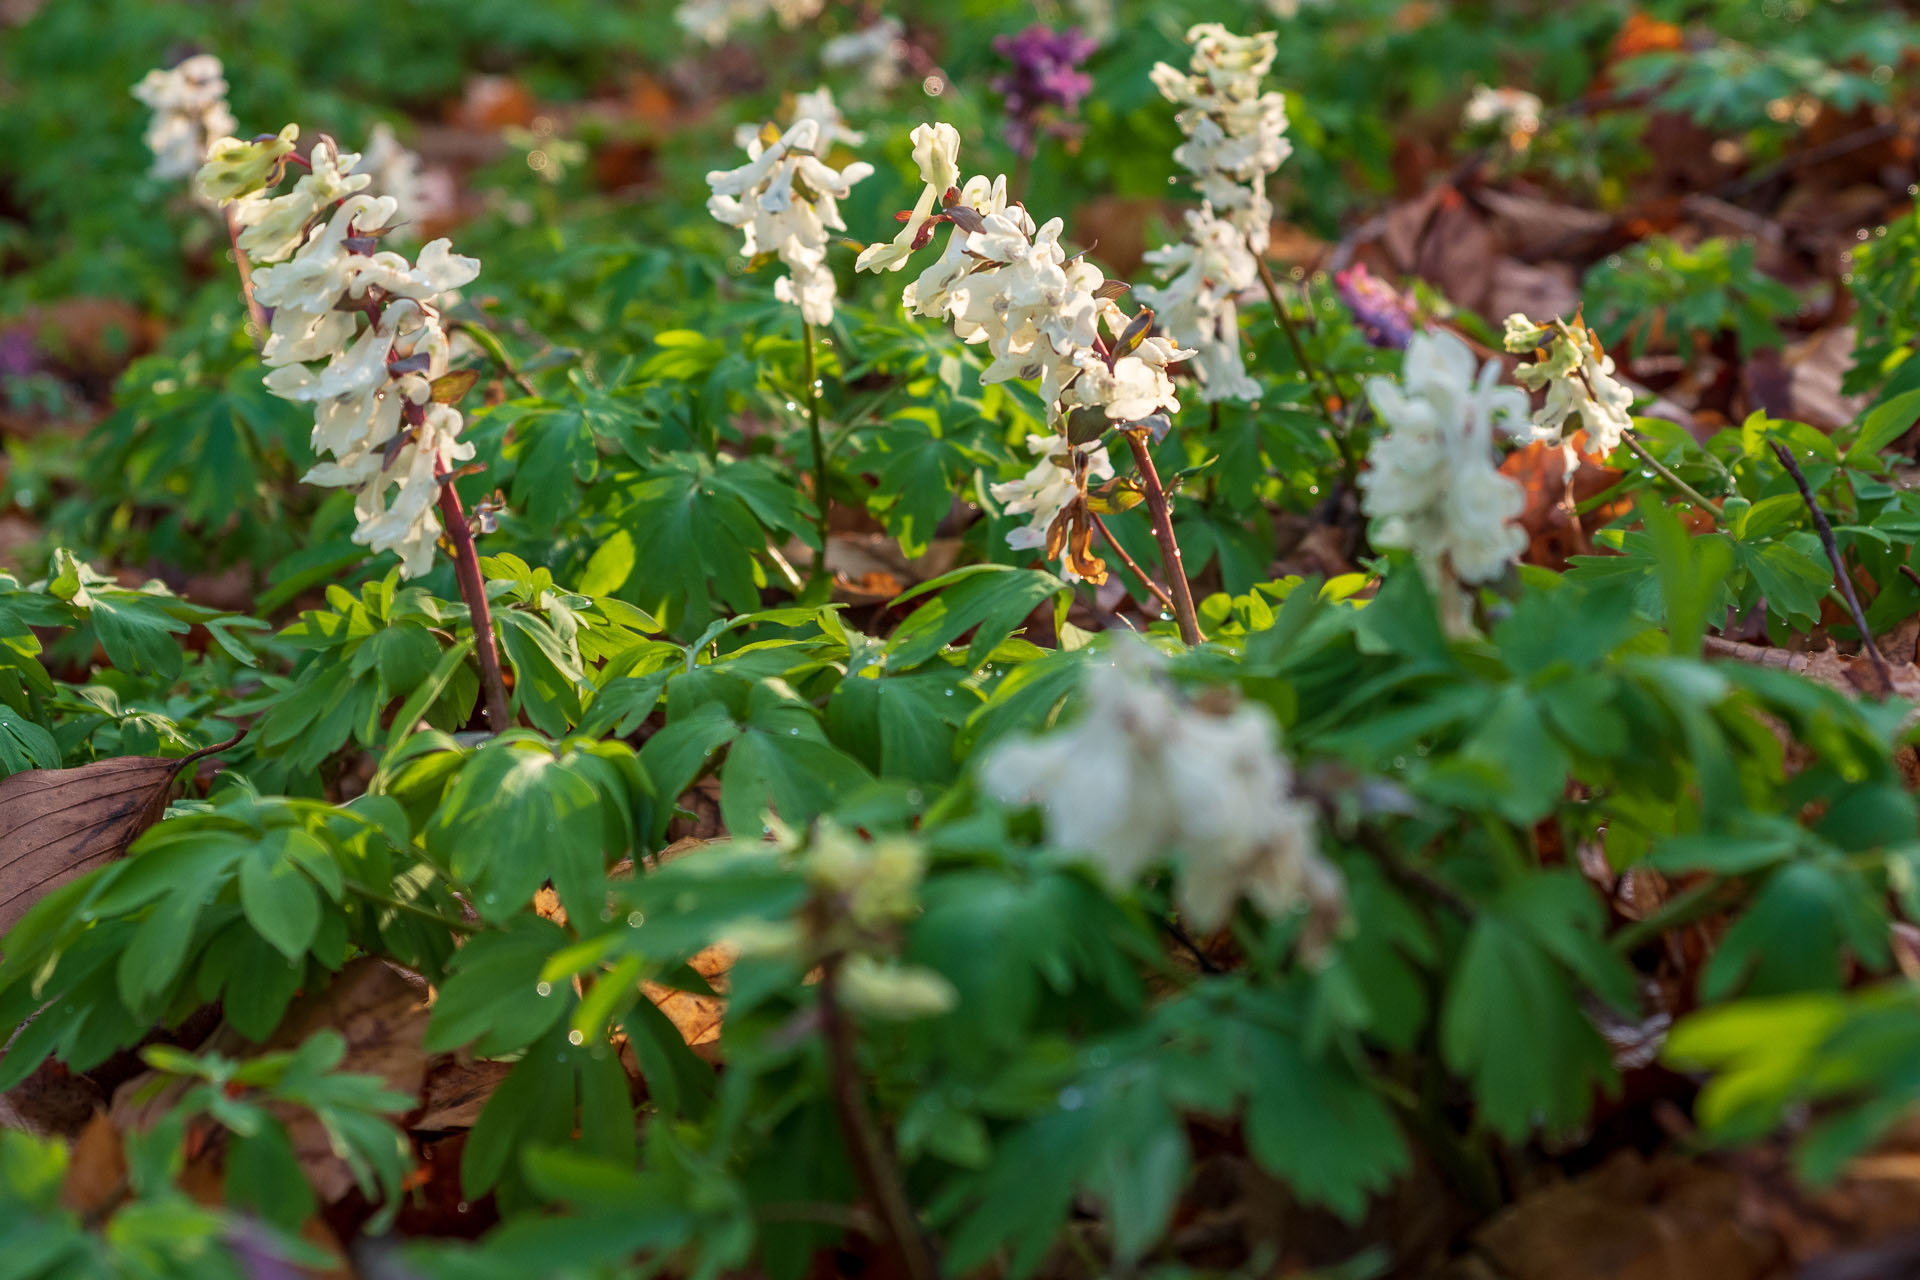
(1202, 276)
(1053, 493)
(876, 54)
(786, 199)
(369, 315)
(1236, 133)
(1434, 487)
(713, 20)
(1578, 375)
(1144, 776)
(1003, 282)
(1382, 313)
(1514, 112)
(1043, 81)
(189, 105)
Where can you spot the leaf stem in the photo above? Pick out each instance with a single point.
(1660, 468)
(371, 894)
(1841, 577)
(489, 342)
(473, 588)
(872, 1156)
(1162, 515)
(818, 573)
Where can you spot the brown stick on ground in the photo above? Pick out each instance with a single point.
(466, 565)
(1841, 577)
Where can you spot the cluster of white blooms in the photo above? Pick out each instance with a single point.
(1515, 112)
(1578, 375)
(1236, 133)
(1202, 275)
(713, 20)
(369, 315)
(786, 199)
(189, 111)
(1143, 775)
(1434, 487)
(876, 54)
(1010, 285)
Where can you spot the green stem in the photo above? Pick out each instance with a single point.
(1322, 396)
(1660, 469)
(819, 570)
(371, 894)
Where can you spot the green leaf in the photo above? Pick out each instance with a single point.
(993, 598)
(280, 903)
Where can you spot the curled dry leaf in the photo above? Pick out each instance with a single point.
(58, 823)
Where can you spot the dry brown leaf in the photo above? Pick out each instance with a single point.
(57, 823)
(96, 1168)
(698, 1018)
(455, 1092)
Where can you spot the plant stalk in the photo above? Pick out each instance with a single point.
(819, 570)
(1154, 589)
(473, 588)
(873, 1160)
(1163, 530)
(1322, 395)
(1661, 469)
(261, 320)
(1841, 577)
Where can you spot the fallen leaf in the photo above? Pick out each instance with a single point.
(698, 1018)
(96, 1168)
(56, 824)
(455, 1091)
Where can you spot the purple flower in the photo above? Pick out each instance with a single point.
(1045, 73)
(1382, 312)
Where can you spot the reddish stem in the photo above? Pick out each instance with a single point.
(261, 321)
(466, 565)
(1163, 530)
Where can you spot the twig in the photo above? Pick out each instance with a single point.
(1158, 592)
(872, 1157)
(1841, 577)
(1912, 577)
(1163, 530)
(371, 894)
(1178, 932)
(466, 565)
(1660, 468)
(818, 572)
(1321, 396)
(261, 320)
(496, 351)
(1408, 876)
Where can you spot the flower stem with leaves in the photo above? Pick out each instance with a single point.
(1161, 513)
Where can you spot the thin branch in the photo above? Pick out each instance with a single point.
(261, 320)
(1155, 589)
(466, 566)
(872, 1156)
(1841, 577)
(1321, 396)
(1660, 468)
(490, 343)
(1169, 546)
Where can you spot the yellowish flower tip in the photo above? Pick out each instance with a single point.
(234, 168)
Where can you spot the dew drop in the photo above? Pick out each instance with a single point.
(544, 989)
(635, 919)
(1071, 1099)
(461, 1207)
(576, 1038)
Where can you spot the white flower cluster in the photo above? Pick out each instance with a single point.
(1578, 375)
(1202, 275)
(321, 270)
(1515, 112)
(1143, 775)
(713, 20)
(1434, 487)
(1006, 283)
(189, 111)
(876, 55)
(395, 171)
(786, 199)
(1236, 134)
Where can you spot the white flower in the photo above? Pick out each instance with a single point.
(1433, 486)
(1052, 485)
(1236, 134)
(189, 105)
(275, 226)
(1195, 304)
(1515, 111)
(786, 199)
(1143, 776)
(936, 151)
(1130, 386)
(373, 397)
(818, 105)
(713, 20)
(876, 54)
(1579, 378)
